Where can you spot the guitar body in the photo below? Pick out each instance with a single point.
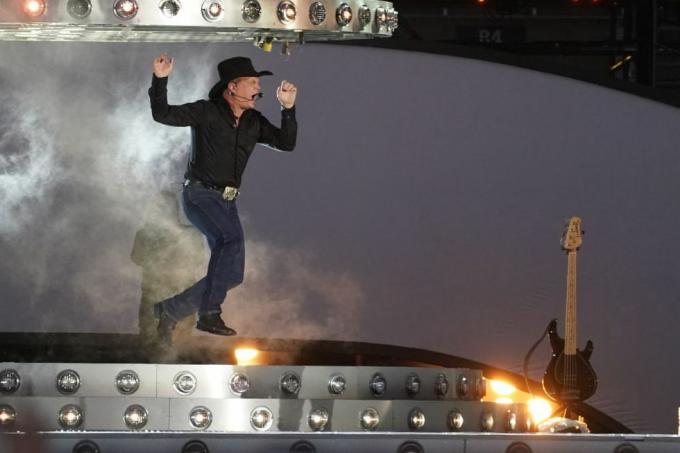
(568, 377)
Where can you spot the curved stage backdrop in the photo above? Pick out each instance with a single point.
(422, 207)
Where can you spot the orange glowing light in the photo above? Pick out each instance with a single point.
(245, 356)
(540, 409)
(504, 401)
(502, 388)
(34, 8)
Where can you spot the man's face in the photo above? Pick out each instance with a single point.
(245, 89)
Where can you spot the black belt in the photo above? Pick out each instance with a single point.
(227, 192)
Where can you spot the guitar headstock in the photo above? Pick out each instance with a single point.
(571, 238)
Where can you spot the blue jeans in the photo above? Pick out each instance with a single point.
(218, 220)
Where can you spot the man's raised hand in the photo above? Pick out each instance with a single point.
(162, 66)
(286, 93)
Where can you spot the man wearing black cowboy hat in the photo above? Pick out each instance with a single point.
(225, 129)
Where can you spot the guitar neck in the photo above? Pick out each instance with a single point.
(570, 318)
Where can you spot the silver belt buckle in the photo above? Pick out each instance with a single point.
(230, 193)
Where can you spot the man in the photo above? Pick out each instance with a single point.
(224, 129)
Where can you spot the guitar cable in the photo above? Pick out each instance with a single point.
(527, 358)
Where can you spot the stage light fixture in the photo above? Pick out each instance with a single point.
(370, 419)
(79, 9)
(480, 388)
(10, 381)
(261, 418)
(184, 383)
(245, 356)
(251, 11)
(68, 382)
(7, 415)
(455, 420)
(392, 19)
(416, 419)
(337, 384)
(212, 10)
(286, 11)
(70, 416)
(200, 417)
(378, 385)
(380, 18)
(170, 8)
(239, 383)
(125, 9)
(486, 421)
(504, 400)
(317, 13)
(463, 386)
(318, 419)
(136, 417)
(290, 383)
(127, 382)
(539, 409)
(412, 384)
(343, 14)
(34, 8)
(441, 385)
(502, 388)
(364, 15)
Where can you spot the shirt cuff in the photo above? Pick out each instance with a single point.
(288, 113)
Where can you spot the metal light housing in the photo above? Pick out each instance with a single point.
(441, 385)
(70, 416)
(380, 19)
(463, 386)
(251, 11)
(212, 10)
(486, 421)
(317, 13)
(170, 8)
(412, 384)
(416, 419)
(200, 417)
(455, 420)
(318, 419)
(286, 12)
(343, 14)
(136, 417)
(10, 381)
(7, 415)
(239, 383)
(392, 20)
(290, 383)
(125, 9)
(34, 8)
(370, 419)
(184, 383)
(510, 421)
(79, 9)
(364, 15)
(261, 418)
(127, 382)
(68, 382)
(337, 384)
(378, 385)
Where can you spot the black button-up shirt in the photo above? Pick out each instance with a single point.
(219, 148)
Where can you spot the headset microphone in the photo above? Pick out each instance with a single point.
(255, 96)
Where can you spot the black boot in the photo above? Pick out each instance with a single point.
(214, 324)
(165, 324)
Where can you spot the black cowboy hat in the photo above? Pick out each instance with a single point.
(233, 68)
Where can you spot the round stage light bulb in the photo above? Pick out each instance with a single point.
(337, 384)
(261, 418)
(251, 11)
(7, 415)
(290, 383)
(502, 388)
(34, 8)
(239, 383)
(510, 421)
(416, 419)
(455, 420)
(486, 421)
(212, 10)
(370, 419)
(125, 9)
(79, 9)
(364, 15)
(441, 385)
(317, 13)
(127, 382)
(343, 15)
(318, 419)
(200, 417)
(184, 383)
(540, 409)
(68, 382)
(463, 386)
(412, 384)
(392, 19)
(380, 18)
(10, 381)
(70, 416)
(170, 8)
(136, 417)
(378, 385)
(286, 11)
